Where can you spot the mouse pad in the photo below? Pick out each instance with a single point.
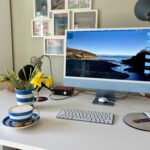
(138, 121)
(95, 101)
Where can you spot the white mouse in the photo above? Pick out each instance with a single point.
(102, 99)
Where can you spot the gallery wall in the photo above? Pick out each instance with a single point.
(112, 14)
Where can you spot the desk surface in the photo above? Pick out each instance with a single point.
(56, 134)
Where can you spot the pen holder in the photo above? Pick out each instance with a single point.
(25, 97)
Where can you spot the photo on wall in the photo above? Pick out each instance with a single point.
(61, 23)
(40, 8)
(57, 4)
(84, 3)
(79, 4)
(85, 19)
(54, 45)
(47, 27)
(37, 28)
(41, 27)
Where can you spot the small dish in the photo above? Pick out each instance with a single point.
(34, 120)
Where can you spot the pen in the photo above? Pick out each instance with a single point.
(141, 120)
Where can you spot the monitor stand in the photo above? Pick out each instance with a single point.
(110, 95)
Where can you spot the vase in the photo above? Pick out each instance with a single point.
(24, 97)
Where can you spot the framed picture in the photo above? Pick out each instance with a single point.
(54, 45)
(57, 4)
(41, 27)
(47, 26)
(85, 19)
(60, 22)
(40, 8)
(79, 4)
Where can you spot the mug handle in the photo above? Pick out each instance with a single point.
(37, 97)
(36, 94)
(36, 111)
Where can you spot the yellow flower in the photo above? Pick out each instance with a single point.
(37, 80)
(48, 81)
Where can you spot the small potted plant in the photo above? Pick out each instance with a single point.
(27, 80)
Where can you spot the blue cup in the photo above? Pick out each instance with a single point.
(20, 113)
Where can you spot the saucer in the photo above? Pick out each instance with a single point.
(34, 120)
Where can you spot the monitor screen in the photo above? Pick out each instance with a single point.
(109, 59)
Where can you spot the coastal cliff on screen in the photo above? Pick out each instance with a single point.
(109, 55)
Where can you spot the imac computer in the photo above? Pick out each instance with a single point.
(108, 60)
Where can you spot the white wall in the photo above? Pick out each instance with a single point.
(112, 14)
(5, 36)
(117, 13)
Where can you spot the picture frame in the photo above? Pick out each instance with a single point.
(79, 4)
(85, 19)
(57, 5)
(54, 45)
(61, 22)
(41, 8)
(41, 27)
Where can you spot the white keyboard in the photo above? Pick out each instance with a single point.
(86, 115)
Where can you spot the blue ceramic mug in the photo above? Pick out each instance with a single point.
(20, 113)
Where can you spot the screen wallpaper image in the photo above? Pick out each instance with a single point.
(109, 54)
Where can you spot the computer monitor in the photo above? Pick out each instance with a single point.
(108, 60)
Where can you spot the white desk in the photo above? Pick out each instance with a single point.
(56, 134)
